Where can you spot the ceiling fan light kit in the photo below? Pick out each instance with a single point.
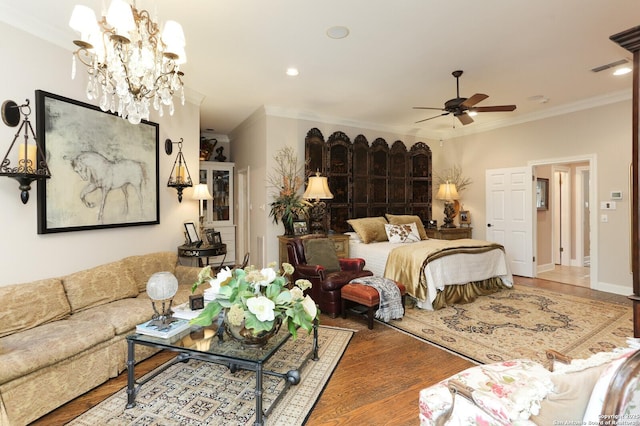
(462, 107)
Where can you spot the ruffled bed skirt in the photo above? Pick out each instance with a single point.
(467, 293)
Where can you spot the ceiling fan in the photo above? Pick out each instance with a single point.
(460, 107)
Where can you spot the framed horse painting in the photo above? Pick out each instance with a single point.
(104, 170)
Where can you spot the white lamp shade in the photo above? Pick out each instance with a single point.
(172, 35)
(201, 192)
(447, 192)
(318, 188)
(83, 20)
(162, 286)
(120, 16)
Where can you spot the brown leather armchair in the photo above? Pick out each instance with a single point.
(326, 285)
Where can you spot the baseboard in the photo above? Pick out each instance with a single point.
(614, 288)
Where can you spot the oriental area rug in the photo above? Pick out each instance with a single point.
(202, 393)
(522, 322)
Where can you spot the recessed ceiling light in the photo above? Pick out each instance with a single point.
(622, 71)
(292, 72)
(337, 32)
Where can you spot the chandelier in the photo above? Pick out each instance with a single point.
(130, 64)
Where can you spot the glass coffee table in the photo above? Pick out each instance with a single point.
(210, 344)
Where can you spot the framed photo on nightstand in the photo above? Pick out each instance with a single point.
(300, 227)
(465, 217)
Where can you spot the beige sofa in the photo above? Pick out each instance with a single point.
(61, 337)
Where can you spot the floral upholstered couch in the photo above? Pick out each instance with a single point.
(597, 390)
(61, 337)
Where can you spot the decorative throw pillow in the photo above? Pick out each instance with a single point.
(570, 396)
(370, 229)
(321, 251)
(402, 219)
(407, 233)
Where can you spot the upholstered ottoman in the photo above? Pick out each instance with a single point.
(367, 296)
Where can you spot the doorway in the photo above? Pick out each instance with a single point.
(564, 233)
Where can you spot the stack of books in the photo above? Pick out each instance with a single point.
(183, 311)
(153, 330)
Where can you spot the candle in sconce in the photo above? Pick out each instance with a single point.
(32, 152)
(180, 174)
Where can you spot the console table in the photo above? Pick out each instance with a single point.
(202, 253)
(449, 233)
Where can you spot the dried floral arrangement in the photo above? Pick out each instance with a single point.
(287, 179)
(452, 175)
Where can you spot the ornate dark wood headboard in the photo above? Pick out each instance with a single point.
(370, 179)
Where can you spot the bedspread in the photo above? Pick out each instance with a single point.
(424, 269)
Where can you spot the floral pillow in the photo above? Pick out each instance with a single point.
(406, 233)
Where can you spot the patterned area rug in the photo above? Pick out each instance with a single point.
(522, 322)
(202, 393)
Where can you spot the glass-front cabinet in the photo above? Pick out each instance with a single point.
(218, 212)
(219, 178)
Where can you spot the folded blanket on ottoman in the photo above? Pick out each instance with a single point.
(390, 298)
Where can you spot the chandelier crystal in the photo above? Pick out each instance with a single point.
(130, 65)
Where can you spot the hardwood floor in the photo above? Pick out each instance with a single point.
(376, 383)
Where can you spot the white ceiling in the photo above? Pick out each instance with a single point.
(399, 54)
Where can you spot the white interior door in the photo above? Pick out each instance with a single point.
(561, 208)
(509, 201)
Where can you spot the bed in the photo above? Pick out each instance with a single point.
(438, 272)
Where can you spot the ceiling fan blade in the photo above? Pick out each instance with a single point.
(431, 118)
(478, 97)
(465, 118)
(437, 109)
(496, 108)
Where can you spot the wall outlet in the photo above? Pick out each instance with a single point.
(604, 218)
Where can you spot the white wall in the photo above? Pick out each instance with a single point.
(30, 64)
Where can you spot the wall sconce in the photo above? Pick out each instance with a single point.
(318, 189)
(448, 193)
(30, 158)
(180, 178)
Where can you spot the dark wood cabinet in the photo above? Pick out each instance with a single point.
(370, 179)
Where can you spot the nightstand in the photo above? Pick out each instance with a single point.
(341, 242)
(449, 233)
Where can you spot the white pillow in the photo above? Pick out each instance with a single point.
(405, 233)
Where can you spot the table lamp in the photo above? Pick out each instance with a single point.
(448, 193)
(318, 189)
(201, 193)
(162, 286)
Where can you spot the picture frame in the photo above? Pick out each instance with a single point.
(192, 233)
(213, 237)
(84, 146)
(465, 217)
(300, 227)
(542, 194)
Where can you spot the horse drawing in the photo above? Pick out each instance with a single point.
(106, 175)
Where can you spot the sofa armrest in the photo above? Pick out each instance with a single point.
(557, 356)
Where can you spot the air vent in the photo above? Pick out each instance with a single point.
(611, 65)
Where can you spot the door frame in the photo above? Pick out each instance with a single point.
(593, 215)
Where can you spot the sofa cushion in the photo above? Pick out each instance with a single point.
(395, 219)
(48, 344)
(32, 304)
(369, 229)
(123, 315)
(145, 265)
(99, 285)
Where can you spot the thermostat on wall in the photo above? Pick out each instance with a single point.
(616, 195)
